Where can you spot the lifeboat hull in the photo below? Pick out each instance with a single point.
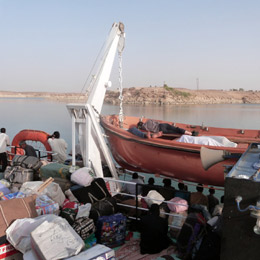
(168, 157)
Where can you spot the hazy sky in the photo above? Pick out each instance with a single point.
(51, 45)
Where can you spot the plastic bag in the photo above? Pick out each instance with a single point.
(53, 191)
(19, 233)
(153, 197)
(82, 176)
(178, 205)
(83, 210)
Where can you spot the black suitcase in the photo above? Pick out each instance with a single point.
(96, 191)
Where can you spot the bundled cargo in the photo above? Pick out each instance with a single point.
(28, 162)
(95, 252)
(24, 208)
(45, 205)
(111, 230)
(56, 240)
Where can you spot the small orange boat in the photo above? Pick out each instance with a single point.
(169, 157)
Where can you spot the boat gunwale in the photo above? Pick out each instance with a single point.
(161, 143)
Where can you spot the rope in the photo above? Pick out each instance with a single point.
(121, 114)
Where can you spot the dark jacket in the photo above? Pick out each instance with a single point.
(154, 237)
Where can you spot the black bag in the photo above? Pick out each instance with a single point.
(96, 191)
(29, 162)
(191, 232)
(84, 227)
(105, 207)
(211, 244)
(69, 214)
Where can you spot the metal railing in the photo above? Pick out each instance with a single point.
(139, 197)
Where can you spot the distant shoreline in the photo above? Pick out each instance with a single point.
(150, 95)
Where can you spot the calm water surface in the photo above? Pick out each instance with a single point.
(48, 116)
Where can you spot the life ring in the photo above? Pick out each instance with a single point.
(30, 135)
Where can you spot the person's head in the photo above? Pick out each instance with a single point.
(167, 182)
(3, 130)
(151, 181)
(154, 209)
(211, 190)
(181, 186)
(22, 144)
(199, 187)
(139, 125)
(56, 134)
(135, 175)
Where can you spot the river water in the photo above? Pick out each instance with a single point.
(39, 114)
(49, 116)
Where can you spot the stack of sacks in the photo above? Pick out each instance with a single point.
(178, 207)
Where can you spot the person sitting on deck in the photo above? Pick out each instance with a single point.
(198, 197)
(149, 187)
(155, 126)
(29, 150)
(130, 188)
(167, 191)
(212, 200)
(153, 231)
(137, 132)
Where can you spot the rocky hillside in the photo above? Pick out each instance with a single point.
(167, 95)
(151, 95)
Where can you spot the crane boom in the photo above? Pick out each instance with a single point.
(85, 117)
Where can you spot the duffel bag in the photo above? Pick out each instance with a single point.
(96, 191)
(105, 207)
(84, 227)
(18, 174)
(55, 170)
(29, 162)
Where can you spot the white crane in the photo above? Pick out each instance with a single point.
(85, 117)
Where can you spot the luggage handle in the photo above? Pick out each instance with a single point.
(11, 174)
(92, 197)
(43, 186)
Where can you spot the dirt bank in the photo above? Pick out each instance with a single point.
(166, 95)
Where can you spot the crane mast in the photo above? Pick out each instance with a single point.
(85, 117)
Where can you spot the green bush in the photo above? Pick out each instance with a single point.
(177, 92)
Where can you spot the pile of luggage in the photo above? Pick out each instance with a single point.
(48, 213)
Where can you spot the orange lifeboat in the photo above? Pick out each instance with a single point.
(30, 135)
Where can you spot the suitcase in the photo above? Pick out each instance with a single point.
(18, 174)
(55, 170)
(16, 209)
(96, 191)
(29, 162)
(111, 230)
